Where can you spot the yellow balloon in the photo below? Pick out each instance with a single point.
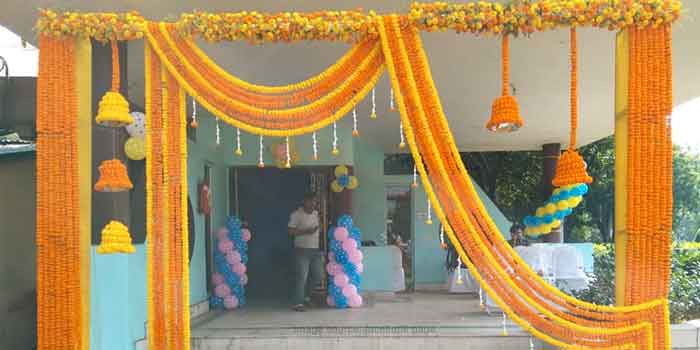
(336, 187)
(556, 223)
(353, 183)
(341, 170)
(556, 191)
(578, 200)
(550, 208)
(562, 205)
(135, 148)
(540, 211)
(572, 202)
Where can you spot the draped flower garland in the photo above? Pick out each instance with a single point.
(174, 65)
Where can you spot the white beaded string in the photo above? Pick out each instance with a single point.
(459, 271)
(218, 133)
(391, 100)
(532, 344)
(402, 143)
(429, 221)
(315, 145)
(261, 162)
(373, 114)
(505, 320)
(335, 150)
(239, 150)
(481, 298)
(194, 113)
(355, 132)
(442, 236)
(289, 157)
(415, 177)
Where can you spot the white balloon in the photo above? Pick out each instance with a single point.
(138, 127)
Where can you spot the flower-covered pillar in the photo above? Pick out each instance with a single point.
(643, 169)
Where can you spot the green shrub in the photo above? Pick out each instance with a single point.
(684, 296)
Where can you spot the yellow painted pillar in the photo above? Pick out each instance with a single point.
(83, 72)
(621, 142)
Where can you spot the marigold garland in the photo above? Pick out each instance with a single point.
(516, 17)
(505, 112)
(115, 239)
(650, 172)
(59, 307)
(113, 177)
(113, 109)
(645, 335)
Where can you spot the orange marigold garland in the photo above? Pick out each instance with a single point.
(571, 168)
(113, 177)
(649, 193)
(113, 110)
(505, 112)
(59, 307)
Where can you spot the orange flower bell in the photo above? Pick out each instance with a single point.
(115, 239)
(571, 169)
(505, 112)
(113, 177)
(113, 110)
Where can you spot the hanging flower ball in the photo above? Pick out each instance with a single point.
(138, 127)
(113, 177)
(571, 170)
(115, 239)
(135, 148)
(343, 180)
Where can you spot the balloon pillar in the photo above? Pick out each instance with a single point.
(230, 259)
(344, 265)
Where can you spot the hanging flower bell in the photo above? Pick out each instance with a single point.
(113, 110)
(115, 239)
(113, 177)
(505, 112)
(571, 170)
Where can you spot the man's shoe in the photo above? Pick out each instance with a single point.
(299, 308)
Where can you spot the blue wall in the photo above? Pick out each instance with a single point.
(118, 282)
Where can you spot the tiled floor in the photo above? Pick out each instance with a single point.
(403, 322)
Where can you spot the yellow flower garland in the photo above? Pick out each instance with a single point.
(483, 17)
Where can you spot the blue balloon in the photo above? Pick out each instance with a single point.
(343, 180)
(583, 188)
(345, 221)
(548, 219)
(341, 257)
(536, 221)
(559, 215)
(528, 221)
(355, 233)
(564, 194)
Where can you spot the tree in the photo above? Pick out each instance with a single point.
(686, 195)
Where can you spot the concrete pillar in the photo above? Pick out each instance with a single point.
(550, 159)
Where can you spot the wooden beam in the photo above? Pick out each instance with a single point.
(621, 142)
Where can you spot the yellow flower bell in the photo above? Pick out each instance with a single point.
(113, 110)
(115, 239)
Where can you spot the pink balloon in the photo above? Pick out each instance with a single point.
(233, 257)
(349, 290)
(222, 291)
(349, 245)
(338, 269)
(330, 301)
(217, 279)
(222, 234)
(355, 301)
(359, 267)
(355, 257)
(341, 280)
(340, 233)
(246, 235)
(331, 268)
(231, 302)
(244, 279)
(239, 269)
(331, 256)
(225, 245)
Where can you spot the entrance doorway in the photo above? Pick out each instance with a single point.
(399, 228)
(265, 198)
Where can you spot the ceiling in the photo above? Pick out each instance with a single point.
(466, 69)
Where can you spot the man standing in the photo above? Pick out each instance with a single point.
(304, 227)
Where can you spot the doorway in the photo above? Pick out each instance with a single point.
(265, 198)
(399, 228)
